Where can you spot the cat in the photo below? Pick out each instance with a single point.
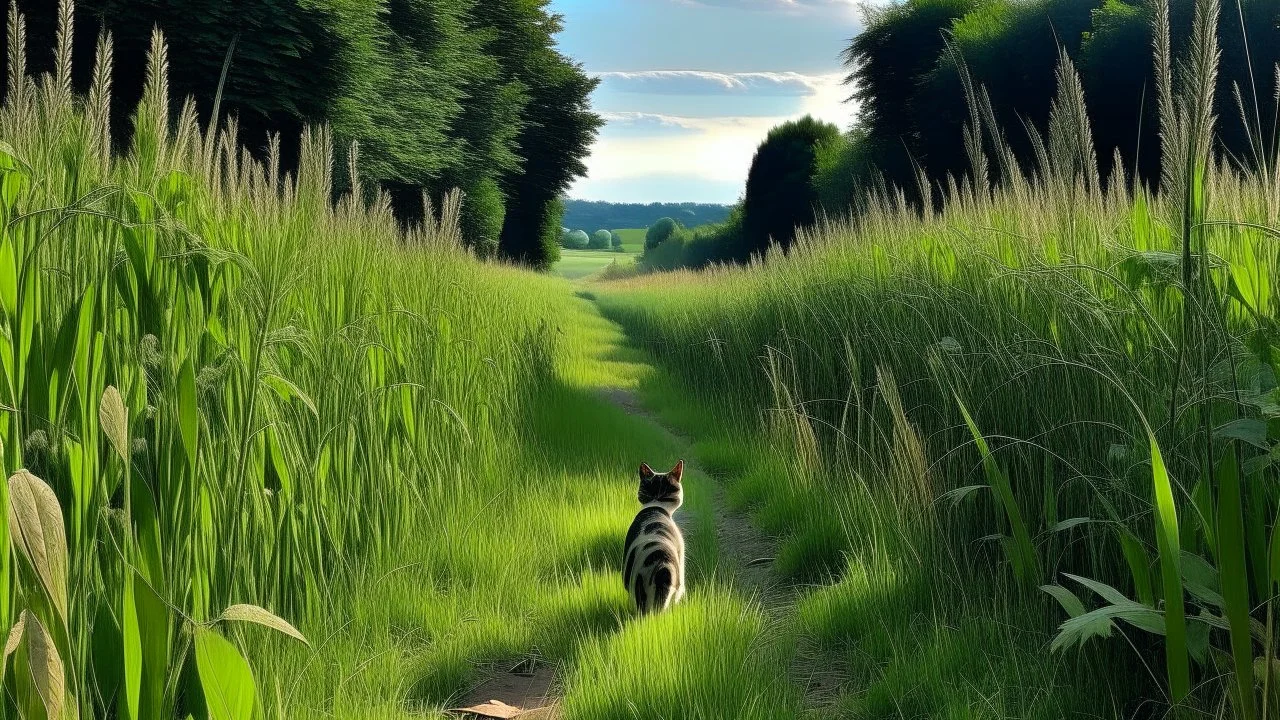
(653, 569)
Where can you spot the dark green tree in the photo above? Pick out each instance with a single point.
(558, 129)
(660, 232)
(780, 195)
(601, 240)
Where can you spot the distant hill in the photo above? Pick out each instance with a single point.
(592, 215)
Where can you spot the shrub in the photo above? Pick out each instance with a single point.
(659, 232)
(842, 165)
(780, 195)
(601, 240)
(577, 240)
(615, 240)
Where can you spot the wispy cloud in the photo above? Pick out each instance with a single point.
(778, 5)
(702, 82)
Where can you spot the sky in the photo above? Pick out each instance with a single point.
(689, 88)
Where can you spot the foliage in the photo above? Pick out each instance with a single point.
(597, 213)
(438, 93)
(482, 217)
(601, 240)
(659, 232)
(909, 69)
(558, 130)
(880, 374)
(842, 166)
(615, 240)
(780, 197)
(576, 240)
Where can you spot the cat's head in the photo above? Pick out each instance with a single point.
(661, 487)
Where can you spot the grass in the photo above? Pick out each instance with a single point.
(579, 264)
(633, 239)
(396, 448)
(283, 460)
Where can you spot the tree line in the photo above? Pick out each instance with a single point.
(908, 70)
(439, 94)
(598, 213)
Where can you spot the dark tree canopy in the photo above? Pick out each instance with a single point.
(780, 196)
(439, 94)
(913, 106)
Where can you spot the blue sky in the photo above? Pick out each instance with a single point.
(690, 87)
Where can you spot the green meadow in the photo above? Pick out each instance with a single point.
(272, 454)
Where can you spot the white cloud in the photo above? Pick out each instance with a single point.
(716, 151)
(794, 6)
(702, 82)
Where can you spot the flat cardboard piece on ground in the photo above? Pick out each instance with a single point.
(492, 709)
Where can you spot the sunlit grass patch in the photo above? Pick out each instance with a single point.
(713, 656)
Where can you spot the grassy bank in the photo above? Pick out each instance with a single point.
(1122, 428)
(307, 465)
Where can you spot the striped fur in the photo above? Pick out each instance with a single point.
(653, 556)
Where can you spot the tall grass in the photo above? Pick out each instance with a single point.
(1082, 377)
(235, 395)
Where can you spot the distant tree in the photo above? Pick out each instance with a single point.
(780, 195)
(601, 240)
(615, 239)
(577, 240)
(598, 213)
(659, 232)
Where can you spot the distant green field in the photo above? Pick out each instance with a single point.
(575, 264)
(633, 239)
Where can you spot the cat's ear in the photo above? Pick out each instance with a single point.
(677, 471)
(646, 472)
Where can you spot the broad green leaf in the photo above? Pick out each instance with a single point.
(1069, 523)
(1235, 581)
(1250, 430)
(958, 495)
(1099, 623)
(225, 677)
(1201, 580)
(155, 625)
(1176, 658)
(1139, 565)
(1108, 593)
(287, 390)
(114, 417)
(255, 614)
(188, 417)
(1022, 552)
(131, 635)
(8, 276)
(1066, 599)
(36, 529)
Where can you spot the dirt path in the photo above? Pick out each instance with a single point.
(745, 553)
(743, 559)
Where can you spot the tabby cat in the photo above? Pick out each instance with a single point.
(653, 570)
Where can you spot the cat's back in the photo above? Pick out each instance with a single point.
(653, 568)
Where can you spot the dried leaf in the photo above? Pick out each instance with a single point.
(46, 667)
(492, 709)
(35, 526)
(114, 417)
(255, 614)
